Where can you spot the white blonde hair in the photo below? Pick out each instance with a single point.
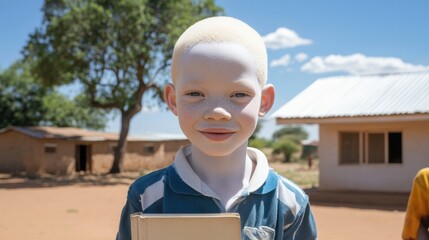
(222, 30)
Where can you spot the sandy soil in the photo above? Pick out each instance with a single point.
(89, 208)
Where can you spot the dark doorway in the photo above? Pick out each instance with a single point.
(83, 158)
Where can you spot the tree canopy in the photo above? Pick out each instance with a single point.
(296, 133)
(21, 100)
(287, 140)
(62, 112)
(119, 50)
(26, 102)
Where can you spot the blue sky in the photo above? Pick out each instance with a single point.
(306, 40)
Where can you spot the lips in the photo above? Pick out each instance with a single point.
(216, 134)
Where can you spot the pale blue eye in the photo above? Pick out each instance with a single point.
(240, 95)
(194, 94)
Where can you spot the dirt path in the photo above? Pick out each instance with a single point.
(340, 223)
(31, 209)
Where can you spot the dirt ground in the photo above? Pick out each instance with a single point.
(89, 209)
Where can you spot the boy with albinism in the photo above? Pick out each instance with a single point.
(218, 92)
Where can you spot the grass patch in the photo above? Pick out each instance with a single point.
(299, 173)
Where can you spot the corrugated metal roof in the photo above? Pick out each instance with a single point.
(85, 135)
(160, 137)
(351, 96)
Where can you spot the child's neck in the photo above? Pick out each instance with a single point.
(225, 175)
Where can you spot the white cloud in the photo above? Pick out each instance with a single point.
(287, 60)
(359, 64)
(283, 61)
(301, 57)
(284, 38)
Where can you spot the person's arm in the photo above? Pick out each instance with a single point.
(417, 205)
(303, 227)
(131, 206)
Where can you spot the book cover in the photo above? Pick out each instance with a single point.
(225, 226)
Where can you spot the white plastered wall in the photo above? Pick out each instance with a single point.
(373, 177)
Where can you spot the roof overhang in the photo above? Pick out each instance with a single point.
(355, 119)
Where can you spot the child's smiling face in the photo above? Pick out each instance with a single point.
(217, 97)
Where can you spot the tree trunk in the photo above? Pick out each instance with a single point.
(117, 166)
(287, 157)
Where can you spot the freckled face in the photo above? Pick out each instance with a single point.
(218, 97)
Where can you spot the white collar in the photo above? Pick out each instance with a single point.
(188, 175)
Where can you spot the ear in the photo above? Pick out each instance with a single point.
(267, 99)
(170, 97)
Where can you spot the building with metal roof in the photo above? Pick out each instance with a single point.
(65, 151)
(373, 130)
(70, 133)
(352, 98)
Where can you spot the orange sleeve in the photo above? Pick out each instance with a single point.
(417, 205)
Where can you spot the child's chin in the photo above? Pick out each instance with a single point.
(216, 151)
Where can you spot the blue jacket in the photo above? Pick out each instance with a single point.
(271, 207)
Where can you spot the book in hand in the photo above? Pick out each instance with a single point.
(221, 226)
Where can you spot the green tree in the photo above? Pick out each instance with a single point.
(259, 143)
(286, 146)
(25, 102)
(287, 140)
(62, 112)
(118, 49)
(21, 98)
(296, 133)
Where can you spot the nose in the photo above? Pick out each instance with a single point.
(217, 113)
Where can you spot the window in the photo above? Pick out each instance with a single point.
(376, 148)
(149, 149)
(395, 147)
(50, 148)
(349, 148)
(113, 147)
(383, 147)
